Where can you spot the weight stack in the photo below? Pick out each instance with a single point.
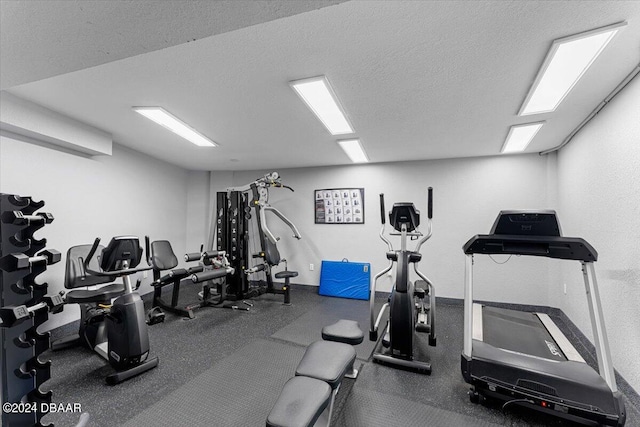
(23, 372)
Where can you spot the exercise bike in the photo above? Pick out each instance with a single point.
(411, 305)
(116, 331)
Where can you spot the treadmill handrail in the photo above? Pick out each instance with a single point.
(573, 248)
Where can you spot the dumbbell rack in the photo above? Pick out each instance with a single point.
(22, 371)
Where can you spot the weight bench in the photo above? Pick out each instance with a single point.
(307, 399)
(161, 256)
(347, 332)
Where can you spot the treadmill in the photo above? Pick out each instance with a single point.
(523, 358)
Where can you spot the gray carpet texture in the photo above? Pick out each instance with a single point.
(239, 391)
(308, 327)
(375, 409)
(226, 368)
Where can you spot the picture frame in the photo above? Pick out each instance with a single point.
(339, 206)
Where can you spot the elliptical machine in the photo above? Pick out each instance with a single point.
(411, 306)
(117, 331)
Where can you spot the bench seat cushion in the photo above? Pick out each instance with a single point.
(300, 403)
(327, 361)
(345, 331)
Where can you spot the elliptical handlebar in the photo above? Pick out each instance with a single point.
(429, 222)
(382, 217)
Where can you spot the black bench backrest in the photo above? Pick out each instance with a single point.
(162, 255)
(271, 253)
(75, 275)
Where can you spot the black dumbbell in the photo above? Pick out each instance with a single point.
(13, 262)
(51, 255)
(54, 302)
(18, 261)
(12, 315)
(19, 218)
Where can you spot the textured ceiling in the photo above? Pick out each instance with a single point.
(419, 80)
(45, 38)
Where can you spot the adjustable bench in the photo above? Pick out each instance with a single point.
(303, 402)
(347, 332)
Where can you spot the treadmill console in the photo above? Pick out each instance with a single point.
(527, 223)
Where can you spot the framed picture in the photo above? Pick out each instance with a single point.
(339, 206)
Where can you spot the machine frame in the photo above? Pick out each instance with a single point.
(482, 364)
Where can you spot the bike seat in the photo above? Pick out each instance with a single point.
(100, 295)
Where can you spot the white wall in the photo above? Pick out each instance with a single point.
(468, 193)
(599, 191)
(197, 210)
(105, 196)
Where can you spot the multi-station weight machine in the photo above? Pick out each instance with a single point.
(240, 231)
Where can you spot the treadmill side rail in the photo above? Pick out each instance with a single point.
(477, 322)
(605, 366)
(567, 349)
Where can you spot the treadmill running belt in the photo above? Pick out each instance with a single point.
(518, 331)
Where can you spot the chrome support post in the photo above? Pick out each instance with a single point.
(605, 365)
(468, 307)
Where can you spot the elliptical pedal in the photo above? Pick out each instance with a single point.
(386, 338)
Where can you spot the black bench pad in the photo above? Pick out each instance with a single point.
(285, 274)
(327, 361)
(300, 403)
(345, 331)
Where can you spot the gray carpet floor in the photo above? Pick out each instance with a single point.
(226, 368)
(305, 329)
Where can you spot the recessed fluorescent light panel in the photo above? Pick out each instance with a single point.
(322, 100)
(520, 136)
(175, 125)
(566, 62)
(354, 150)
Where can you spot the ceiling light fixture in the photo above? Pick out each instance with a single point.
(354, 150)
(175, 125)
(565, 63)
(520, 136)
(317, 93)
